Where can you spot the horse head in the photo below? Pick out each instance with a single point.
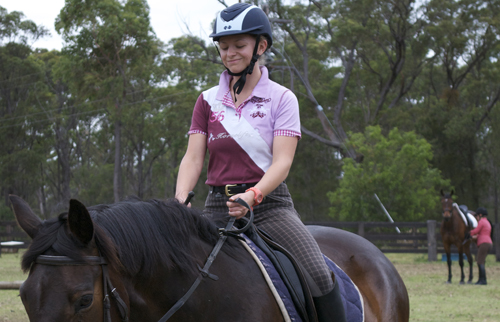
(447, 204)
(67, 280)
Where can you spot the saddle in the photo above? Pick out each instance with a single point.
(289, 270)
(469, 220)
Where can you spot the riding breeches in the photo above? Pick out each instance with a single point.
(482, 252)
(277, 216)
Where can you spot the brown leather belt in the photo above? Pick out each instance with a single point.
(232, 189)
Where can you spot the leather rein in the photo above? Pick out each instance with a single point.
(122, 307)
(223, 234)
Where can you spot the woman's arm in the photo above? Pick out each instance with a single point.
(191, 166)
(283, 152)
(478, 229)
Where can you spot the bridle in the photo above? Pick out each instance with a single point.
(223, 234)
(449, 210)
(55, 260)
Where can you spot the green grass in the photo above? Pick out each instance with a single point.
(11, 308)
(431, 299)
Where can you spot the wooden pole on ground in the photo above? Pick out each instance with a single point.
(10, 285)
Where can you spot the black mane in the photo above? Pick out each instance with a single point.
(133, 235)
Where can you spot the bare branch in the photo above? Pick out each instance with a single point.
(335, 144)
(317, 4)
(222, 2)
(489, 107)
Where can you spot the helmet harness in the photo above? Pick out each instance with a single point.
(242, 18)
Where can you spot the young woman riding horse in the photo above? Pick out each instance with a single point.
(134, 260)
(251, 126)
(454, 232)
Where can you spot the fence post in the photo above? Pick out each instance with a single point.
(361, 229)
(497, 241)
(431, 241)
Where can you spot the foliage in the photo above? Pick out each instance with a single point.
(396, 168)
(107, 116)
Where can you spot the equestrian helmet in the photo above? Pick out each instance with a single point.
(482, 211)
(242, 18)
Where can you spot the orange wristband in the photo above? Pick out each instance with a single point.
(258, 197)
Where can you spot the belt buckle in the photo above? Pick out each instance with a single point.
(227, 189)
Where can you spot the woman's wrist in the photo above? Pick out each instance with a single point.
(181, 196)
(256, 194)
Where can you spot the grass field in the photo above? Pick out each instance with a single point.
(431, 299)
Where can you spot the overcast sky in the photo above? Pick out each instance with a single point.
(168, 17)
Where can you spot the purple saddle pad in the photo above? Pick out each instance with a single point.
(351, 298)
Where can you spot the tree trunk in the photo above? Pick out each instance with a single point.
(117, 174)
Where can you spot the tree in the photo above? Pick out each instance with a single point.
(397, 169)
(21, 153)
(111, 44)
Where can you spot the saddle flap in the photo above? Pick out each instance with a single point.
(289, 271)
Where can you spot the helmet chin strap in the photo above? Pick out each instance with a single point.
(238, 86)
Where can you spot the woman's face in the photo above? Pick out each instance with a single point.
(236, 51)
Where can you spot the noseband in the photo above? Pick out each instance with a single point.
(106, 282)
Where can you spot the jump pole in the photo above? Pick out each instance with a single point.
(386, 212)
(10, 285)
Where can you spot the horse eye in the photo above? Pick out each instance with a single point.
(84, 302)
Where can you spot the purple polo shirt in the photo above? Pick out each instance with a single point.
(240, 141)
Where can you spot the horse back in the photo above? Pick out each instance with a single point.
(384, 294)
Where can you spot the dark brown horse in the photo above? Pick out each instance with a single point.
(454, 232)
(145, 255)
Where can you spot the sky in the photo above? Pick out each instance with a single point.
(168, 17)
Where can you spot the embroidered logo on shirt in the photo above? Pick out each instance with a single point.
(225, 135)
(259, 110)
(217, 117)
(218, 110)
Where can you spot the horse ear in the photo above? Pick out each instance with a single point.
(442, 192)
(26, 218)
(451, 193)
(79, 221)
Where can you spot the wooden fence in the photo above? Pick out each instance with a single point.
(10, 231)
(413, 237)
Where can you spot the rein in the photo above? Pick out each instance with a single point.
(223, 233)
(106, 282)
(56, 260)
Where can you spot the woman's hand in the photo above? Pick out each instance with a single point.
(237, 210)
(182, 197)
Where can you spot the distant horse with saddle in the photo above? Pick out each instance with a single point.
(455, 227)
(135, 260)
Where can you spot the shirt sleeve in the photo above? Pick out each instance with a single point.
(478, 229)
(199, 121)
(287, 120)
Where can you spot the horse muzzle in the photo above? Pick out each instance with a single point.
(446, 215)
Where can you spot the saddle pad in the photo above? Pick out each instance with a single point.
(471, 217)
(351, 298)
(274, 280)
